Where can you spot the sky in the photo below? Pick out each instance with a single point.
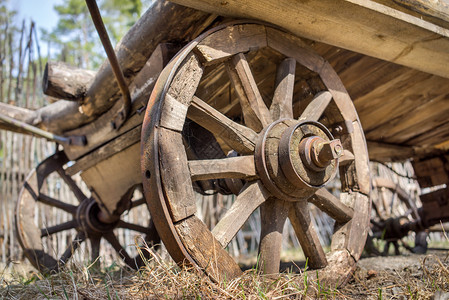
(40, 11)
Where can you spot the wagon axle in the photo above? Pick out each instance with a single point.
(294, 158)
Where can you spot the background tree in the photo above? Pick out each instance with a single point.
(75, 40)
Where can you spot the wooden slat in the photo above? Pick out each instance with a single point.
(359, 25)
(119, 144)
(238, 137)
(241, 167)
(175, 175)
(253, 195)
(388, 152)
(111, 178)
(423, 119)
(255, 112)
(206, 250)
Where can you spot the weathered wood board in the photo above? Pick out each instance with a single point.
(111, 178)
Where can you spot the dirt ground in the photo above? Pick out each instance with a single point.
(409, 276)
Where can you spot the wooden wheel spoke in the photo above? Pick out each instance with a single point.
(131, 226)
(137, 202)
(299, 216)
(238, 137)
(251, 197)
(58, 228)
(282, 106)
(255, 112)
(316, 108)
(79, 238)
(95, 247)
(241, 167)
(112, 239)
(332, 206)
(72, 185)
(273, 214)
(57, 203)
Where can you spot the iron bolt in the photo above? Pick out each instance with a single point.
(325, 152)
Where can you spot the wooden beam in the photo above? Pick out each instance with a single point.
(63, 81)
(362, 26)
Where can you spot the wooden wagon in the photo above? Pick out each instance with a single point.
(264, 100)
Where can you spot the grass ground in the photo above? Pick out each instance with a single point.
(413, 277)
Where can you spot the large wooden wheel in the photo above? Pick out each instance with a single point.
(283, 125)
(77, 221)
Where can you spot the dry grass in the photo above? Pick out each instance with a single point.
(161, 279)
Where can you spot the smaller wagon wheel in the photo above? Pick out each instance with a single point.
(392, 207)
(79, 220)
(241, 83)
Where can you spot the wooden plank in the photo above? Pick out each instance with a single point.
(175, 175)
(255, 112)
(436, 12)
(206, 250)
(232, 167)
(111, 178)
(238, 137)
(129, 138)
(389, 152)
(231, 40)
(424, 118)
(362, 26)
(438, 137)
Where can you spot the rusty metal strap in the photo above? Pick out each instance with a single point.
(123, 114)
(67, 140)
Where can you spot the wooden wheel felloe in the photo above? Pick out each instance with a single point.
(282, 125)
(80, 221)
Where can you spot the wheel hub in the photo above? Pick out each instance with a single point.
(294, 158)
(88, 220)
